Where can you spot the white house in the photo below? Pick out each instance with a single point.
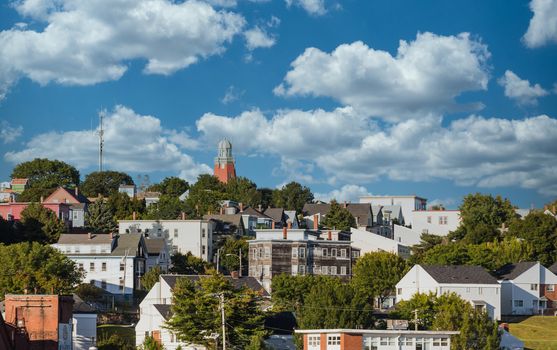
(435, 222)
(406, 235)
(471, 283)
(127, 189)
(407, 203)
(371, 242)
(84, 320)
(182, 236)
(155, 310)
(157, 254)
(527, 288)
(114, 263)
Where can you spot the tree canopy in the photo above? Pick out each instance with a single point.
(229, 257)
(171, 186)
(41, 224)
(338, 218)
(243, 190)
(104, 183)
(151, 277)
(188, 264)
(205, 195)
(168, 208)
(292, 196)
(540, 230)
(100, 217)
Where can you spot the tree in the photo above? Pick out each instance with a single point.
(541, 231)
(8, 232)
(243, 190)
(290, 292)
(187, 264)
(151, 277)
(100, 217)
(114, 342)
(205, 195)
(229, 258)
(123, 207)
(89, 292)
(167, 208)
(292, 196)
(450, 254)
(150, 344)
(44, 175)
(339, 218)
(482, 216)
(171, 186)
(376, 274)
(266, 195)
(41, 224)
(427, 241)
(104, 183)
(37, 268)
(197, 313)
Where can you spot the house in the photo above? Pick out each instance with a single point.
(149, 197)
(12, 211)
(278, 216)
(84, 322)
(19, 185)
(407, 204)
(435, 222)
(376, 339)
(130, 190)
(182, 236)
(157, 254)
(370, 242)
(263, 221)
(7, 196)
(553, 268)
(77, 201)
(114, 263)
(227, 224)
(392, 215)
(292, 219)
(360, 211)
(300, 252)
(471, 283)
(527, 288)
(406, 236)
(155, 309)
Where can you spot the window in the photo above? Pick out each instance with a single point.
(121, 286)
(355, 254)
(294, 252)
(343, 270)
(294, 269)
(302, 252)
(343, 253)
(314, 340)
(550, 288)
(325, 270)
(333, 270)
(103, 266)
(203, 250)
(203, 232)
(533, 287)
(122, 266)
(399, 291)
(429, 219)
(267, 252)
(371, 343)
(92, 266)
(254, 253)
(175, 233)
(442, 220)
(80, 266)
(519, 303)
(302, 269)
(480, 290)
(333, 252)
(325, 252)
(387, 341)
(260, 253)
(333, 340)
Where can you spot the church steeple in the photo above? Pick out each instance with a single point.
(224, 162)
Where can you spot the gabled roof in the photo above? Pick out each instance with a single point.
(249, 282)
(69, 193)
(19, 181)
(459, 274)
(155, 245)
(310, 209)
(256, 213)
(512, 271)
(127, 244)
(360, 211)
(277, 214)
(81, 307)
(553, 268)
(234, 219)
(84, 238)
(165, 310)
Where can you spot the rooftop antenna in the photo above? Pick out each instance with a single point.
(100, 133)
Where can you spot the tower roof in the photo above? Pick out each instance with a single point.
(224, 143)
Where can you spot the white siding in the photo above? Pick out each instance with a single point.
(371, 242)
(436, 222)
(84, 331)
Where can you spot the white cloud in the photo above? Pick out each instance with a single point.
(425, 76)
(86, 42)
(232, 94)
(520, 90)
(543, 25)
(9, 133)
(133, 142)
(313, 7)
(258, 38)
(348, 193)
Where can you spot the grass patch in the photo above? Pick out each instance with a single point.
(126, 333)
(537, 332)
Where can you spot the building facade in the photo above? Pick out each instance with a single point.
(78, 203)
(407, 203)
(435, 222)
(224, 163)
(370, 242)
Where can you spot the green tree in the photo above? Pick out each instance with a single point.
(197, 314)
(104, 183)
(229, 258)
(376, 274)
(541, 231)
(292, 196)
(339, 218)
(266, 195)
(168, 208)
(450, 254)
(9, 232)
(151, 277)
(243, 190)
(38, 268)
(100, 217)
(289, 292)
(494, 255)
(122, 206)
(89, 292)
(205, 195)
(188, 264)
(114, 342)
(44, 175)
(150, 344)
(427, 241)
(41, 224)
(171, 186)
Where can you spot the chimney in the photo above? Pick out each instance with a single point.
(183, 216)
(241, 207)
(134, 216)
(344, 205)
(273, 225)
(315, 221)
(330, 236)
(76, 191)
(259, 207)
(289, 224)
(42, 199)
(111, 235)
(284, 233)
(89, 235)
(221, 211)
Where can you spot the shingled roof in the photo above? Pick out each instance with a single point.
(155, 245)
(512, 271)
(165, 310)
(84, 238)
(238, 283)
(255, 212)
(127, 244)
(360, 211)
(553, 268)
(459, 274)
(277, 214)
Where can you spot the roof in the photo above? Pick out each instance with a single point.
(459, 274)
(127, 244)
(255, 212)
(83, 238)
(316, 208)
(512, 271)
(360, 211)
(394, 209)
(522, 212)
(68, 193)
(277, 214)
(165, 310)
(249, 282)
(81, 307)
(19, 181)
(148, 194)
(375, 331)
(235, 219)
(155, 245)
(553, 268)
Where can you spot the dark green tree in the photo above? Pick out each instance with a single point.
(150, 344)
(205, 195)
(292, 196)
(450, 254)
(41, 224)
(100, 217)
(541, 231)
(44, 175)
(266, 195)
(427, 241)
(123, 207)
(243, 190)
(9, 232)
(89, 292)
(171, 186)
(104, 183)
(338, 218)
(114, 342)
(151, 277)
(376, 274)
(290, 292)
(38, 268)
(168, 208)
(230, 253)
(188, 264)
(197, 314)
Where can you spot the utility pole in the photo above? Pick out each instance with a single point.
(416, 319)
(218, 258)
(101, 140)
(223, 321)
(240, 256)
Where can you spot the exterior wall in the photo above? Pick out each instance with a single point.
(437, 222)
(225, 172)
(351, 341)
(407, 203)
(195, 236)
(406, 236)
(77, 217)
(84, 331)
(60, 195)
(250, 223)
(162, 260)
(527, 289)
(371, 242)
(14, 210)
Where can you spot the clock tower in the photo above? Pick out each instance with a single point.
(224, 163)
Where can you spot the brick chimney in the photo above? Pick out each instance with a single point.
(273, 225)
(289, 224)
(89, 235)
(329, 236)
(315, 221)
(241, 207)
(134, 215)
(76, 191)
(284, 233)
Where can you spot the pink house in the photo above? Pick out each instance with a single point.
(13, 210)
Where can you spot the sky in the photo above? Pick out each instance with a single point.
(432, 97)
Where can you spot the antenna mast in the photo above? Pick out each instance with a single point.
(101, 140)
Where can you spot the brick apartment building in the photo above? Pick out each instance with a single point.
(300, 252)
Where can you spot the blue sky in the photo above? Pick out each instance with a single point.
(434, 98)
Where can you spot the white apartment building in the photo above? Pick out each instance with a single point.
(471, 283)
(407, 203)
(182, 236)
(435, 222)
(114, 263)
(370, 242)
(84, 322)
